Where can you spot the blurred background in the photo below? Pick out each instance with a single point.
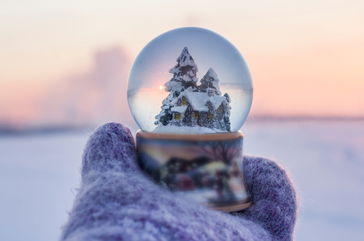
(64, 68)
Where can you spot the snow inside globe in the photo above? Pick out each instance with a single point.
(189, 81)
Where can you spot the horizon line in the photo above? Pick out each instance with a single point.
(268, 117)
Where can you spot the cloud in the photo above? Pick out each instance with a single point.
(95, 96)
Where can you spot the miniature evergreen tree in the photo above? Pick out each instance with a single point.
(184, 72)
(210, 82)
(184, 76)
(227, 112)
(219, 106)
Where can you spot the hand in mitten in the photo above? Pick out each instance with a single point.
(116, 201)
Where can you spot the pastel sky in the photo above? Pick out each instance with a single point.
(305, 57)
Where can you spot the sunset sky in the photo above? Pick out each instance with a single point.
(305, 57)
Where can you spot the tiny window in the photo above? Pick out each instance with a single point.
(177, 116)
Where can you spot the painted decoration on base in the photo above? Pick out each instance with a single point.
(206, 168)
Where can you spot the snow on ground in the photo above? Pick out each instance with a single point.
(39, 175)
(38, 180)
(326, 162)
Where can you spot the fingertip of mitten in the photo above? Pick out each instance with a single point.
(273, 196)
(122, 132)
(262, 173)
(110, 148)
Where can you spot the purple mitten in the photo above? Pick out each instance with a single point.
(117, 202)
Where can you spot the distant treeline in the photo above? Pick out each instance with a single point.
(40, 130)
(304, 118)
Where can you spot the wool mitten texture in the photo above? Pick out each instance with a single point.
(116, 201)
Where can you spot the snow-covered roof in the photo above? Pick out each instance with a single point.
(216, 100)
(179, 109)
(198, 100)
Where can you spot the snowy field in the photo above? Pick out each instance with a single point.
(39, 175)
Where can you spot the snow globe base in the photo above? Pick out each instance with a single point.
(203, 167)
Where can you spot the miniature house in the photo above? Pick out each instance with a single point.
(198, 108)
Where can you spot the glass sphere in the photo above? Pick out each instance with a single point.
(189, 80)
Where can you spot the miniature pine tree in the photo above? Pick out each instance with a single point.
(227, 112)
(210, 82)
(184, 72)
(219, 114)
(165, 115)
(184, 76)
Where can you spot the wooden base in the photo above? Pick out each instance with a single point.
(191, 137)
(231, 208)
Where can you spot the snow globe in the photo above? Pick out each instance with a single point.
(190, 92)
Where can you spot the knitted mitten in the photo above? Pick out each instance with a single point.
(116, 201)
